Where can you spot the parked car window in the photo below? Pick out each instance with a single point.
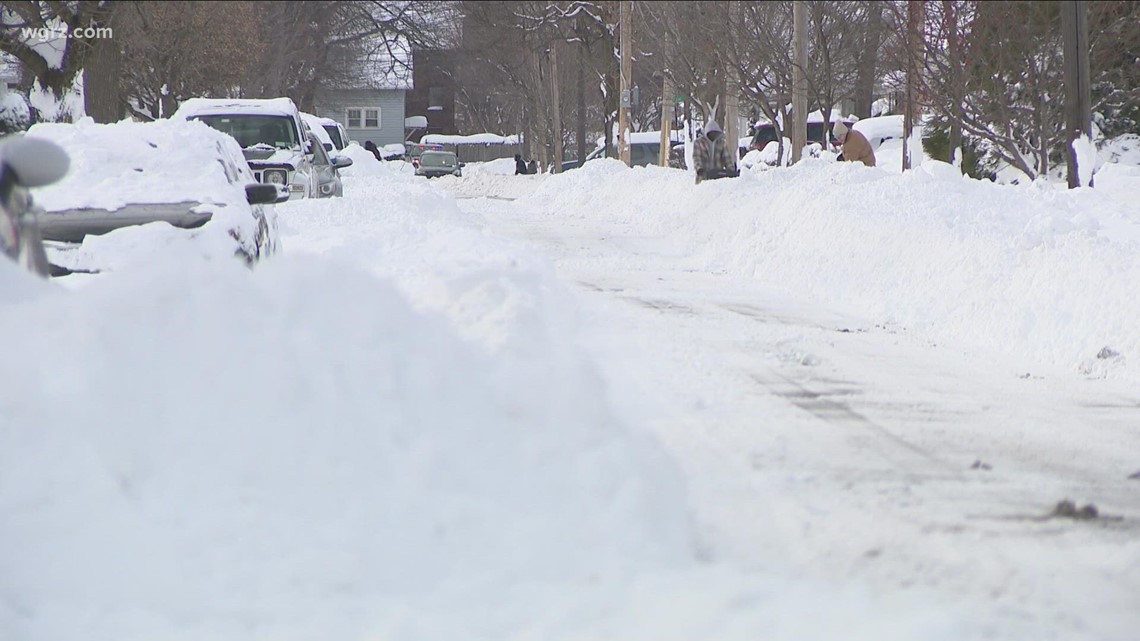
(320, 157)
(334, 134)
(277, 131)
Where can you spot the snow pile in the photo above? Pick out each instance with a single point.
(498, 167)
(1086, 156)
(165, 161)
(297, 452)
(1122, 149)
(1041, 274)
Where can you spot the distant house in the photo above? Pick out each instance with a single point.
(371, 111)
(433, 90)
(9, 74)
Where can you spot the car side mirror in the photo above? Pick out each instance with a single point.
(263, 194)
(340, 162)
(34, 162)
(462, 164)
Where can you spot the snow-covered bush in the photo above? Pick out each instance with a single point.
(14, 113)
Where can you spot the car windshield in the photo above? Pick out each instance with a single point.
(334, 133)
(437, 159)
(253, 130)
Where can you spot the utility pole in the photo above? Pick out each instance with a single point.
(799, 79)
(732, 93)
(914, 17)
(625, 26)
(1078, 107)
(666, 119)
(556, 107)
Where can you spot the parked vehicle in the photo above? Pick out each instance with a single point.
(181, 173)
(433, 164)
(273, 137)
(880, 129)
(26, 163)
(327, 168)
(328, 130)
(413, 150)
(764, 133)
(644, 150)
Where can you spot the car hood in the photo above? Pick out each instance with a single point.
(261, 156)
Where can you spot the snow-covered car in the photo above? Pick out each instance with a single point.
(326, 168)
(880, 129)
(273, 137)
(26, 163)
(128, 174)
(433, 164)
(765, 133)
(644, 150)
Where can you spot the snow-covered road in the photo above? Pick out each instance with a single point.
(819, 443)
(603, 405)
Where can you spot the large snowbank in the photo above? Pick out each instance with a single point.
(307, 450)
(1040, 273)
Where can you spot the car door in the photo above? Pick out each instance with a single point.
(327, 178)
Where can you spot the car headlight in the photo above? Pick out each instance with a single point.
(275, 176)
(327, 188)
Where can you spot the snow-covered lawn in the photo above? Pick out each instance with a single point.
(431, 417)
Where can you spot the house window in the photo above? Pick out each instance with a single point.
(362, 118)
(435, 99)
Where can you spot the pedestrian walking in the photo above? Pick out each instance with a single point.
(713, 157)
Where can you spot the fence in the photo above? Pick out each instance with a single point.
(482, 152)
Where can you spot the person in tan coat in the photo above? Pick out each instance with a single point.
(856, 148)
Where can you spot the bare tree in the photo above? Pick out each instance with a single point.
(55, 65)
(178, 50)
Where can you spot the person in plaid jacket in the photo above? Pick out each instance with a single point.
(713, 156)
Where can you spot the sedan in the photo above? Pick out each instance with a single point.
(439, 163)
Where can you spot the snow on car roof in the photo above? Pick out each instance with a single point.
(166, 161)
(207, 106)
(317, 126)
(645, 137)
(813, 117)
(880, 127)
